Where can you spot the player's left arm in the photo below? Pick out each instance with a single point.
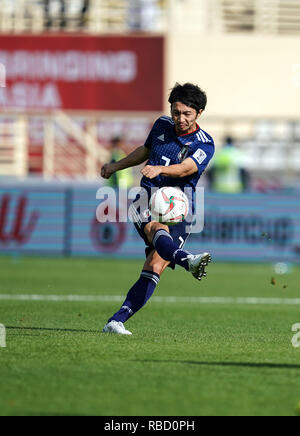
(184, 169)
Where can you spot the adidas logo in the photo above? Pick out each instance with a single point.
(162, 137)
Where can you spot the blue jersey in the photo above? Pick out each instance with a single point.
(166, 148)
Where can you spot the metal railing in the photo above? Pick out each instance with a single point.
(60, 145)
(13, 147)
(78, 157)
(69, 145)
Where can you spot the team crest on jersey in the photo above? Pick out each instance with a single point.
(184, 152)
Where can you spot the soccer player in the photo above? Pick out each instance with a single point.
(177, 152)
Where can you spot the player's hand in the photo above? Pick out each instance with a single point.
(151, 171)
(107, 171)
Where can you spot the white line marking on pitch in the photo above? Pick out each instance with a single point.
(118, 298)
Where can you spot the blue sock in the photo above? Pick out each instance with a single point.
(137, 297)
(166, 248)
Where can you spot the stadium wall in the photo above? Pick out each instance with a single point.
(244, 76)
(61, 220)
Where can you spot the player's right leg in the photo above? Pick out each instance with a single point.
(170, 250)
(138, 295)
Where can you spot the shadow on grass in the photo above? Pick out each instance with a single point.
(46, 329)
(37, 414)
(224, 364)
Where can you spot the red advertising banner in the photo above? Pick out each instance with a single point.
(75, 72)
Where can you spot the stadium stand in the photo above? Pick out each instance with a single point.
(76, 15)
(231, 17)
(273, 17)
(228, 16)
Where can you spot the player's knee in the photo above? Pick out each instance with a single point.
(152, 227)
(159, 269)
(158, 266)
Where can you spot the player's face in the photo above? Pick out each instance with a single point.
(184, 117)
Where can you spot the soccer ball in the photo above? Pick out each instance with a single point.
(169, 206)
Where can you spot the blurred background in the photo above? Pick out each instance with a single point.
(82, 82)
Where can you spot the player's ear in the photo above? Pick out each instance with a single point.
(200, 113)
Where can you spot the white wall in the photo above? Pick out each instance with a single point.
(244, 76)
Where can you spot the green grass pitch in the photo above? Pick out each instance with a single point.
(184, 359)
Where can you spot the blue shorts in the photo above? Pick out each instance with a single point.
(179, 232)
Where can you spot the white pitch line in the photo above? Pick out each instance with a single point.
(187, 300)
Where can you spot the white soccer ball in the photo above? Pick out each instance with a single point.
(169, 206)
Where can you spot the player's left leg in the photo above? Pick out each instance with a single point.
(139, 294)
(171, 250)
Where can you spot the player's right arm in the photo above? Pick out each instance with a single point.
(137, 157)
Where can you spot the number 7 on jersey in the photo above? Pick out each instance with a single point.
(167, 160)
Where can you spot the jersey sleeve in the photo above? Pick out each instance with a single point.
(148, 143)
(149, 140)
(157, 129)
(202, 156)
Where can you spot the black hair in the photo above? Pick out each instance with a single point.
(190, 95)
